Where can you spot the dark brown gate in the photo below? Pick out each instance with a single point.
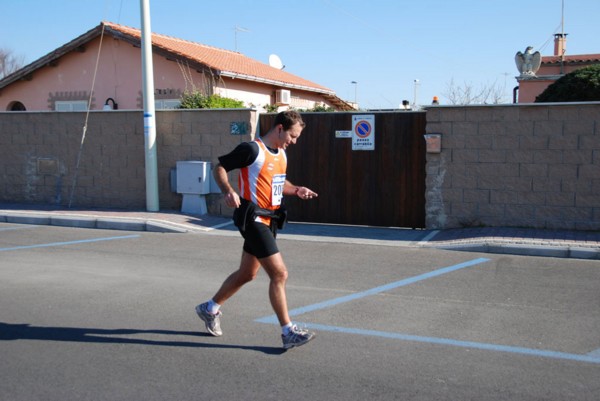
(384, 187)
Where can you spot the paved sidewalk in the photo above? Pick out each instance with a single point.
(502, 240)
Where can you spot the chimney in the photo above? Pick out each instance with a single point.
(560, 44)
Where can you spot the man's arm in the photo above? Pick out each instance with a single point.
(301, 192)
(232, 199)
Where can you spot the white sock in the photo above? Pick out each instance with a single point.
(285, 330)
(213, 307)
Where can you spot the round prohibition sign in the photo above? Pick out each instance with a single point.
(363, 128)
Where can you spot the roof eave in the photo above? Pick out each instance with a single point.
(328, 94)
(236, 75)
(340, 103)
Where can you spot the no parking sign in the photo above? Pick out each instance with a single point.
(363, 132)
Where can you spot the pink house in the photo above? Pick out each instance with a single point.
(551, 69)
(108, 59)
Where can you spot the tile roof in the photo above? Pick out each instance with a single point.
(572, 59)
(221, 62)
(225, 62)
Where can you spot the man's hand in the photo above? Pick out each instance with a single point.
(305, 193)
(232, 199)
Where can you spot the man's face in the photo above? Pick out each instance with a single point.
(290, 136)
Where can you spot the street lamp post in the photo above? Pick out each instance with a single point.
(355, 93)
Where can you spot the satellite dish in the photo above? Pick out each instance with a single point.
(275, 62)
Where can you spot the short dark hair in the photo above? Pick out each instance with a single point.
(288, 118)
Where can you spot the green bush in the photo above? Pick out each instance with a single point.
(196, 100)
(318, 108)
(582, 85)
(271, 108)
(321, 108)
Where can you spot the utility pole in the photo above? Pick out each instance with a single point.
(152, 203)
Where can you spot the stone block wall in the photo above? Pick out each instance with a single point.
(503, 165)
(43, 161)
(515, 165)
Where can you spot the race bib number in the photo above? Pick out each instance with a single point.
(277, 195)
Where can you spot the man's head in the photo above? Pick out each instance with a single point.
(287, 128)
(288, 118)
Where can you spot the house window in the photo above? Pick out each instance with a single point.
(16, 106)
(167, 104)
(70, 105)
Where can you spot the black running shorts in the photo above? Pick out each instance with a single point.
(259, 240)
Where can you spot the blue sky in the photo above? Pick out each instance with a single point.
(383, 45)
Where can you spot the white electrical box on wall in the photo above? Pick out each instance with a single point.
(193, 177)
(283, 97)
(193, 182)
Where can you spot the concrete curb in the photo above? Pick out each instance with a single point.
(27, 219)
(161, 227)
(523, 250)
(69, 221)
(93, 222)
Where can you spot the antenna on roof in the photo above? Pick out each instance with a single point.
(275, 62)
(239, 29)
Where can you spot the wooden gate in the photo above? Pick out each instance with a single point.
(383, 187)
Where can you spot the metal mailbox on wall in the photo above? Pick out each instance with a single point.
(433, 143)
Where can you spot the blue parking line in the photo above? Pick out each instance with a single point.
(376, 290)
(593, 357)
(83, 241)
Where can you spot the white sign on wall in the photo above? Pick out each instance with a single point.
(363, 132)
(343, 134)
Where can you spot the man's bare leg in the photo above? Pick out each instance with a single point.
(278, 274)
(248, 270)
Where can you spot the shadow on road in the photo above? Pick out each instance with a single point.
(113, 336)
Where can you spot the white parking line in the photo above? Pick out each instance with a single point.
(68, 243)
(428, 237)
(376, 290)
(592, 357)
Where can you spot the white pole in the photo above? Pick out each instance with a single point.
(152, 204)
(416, 91)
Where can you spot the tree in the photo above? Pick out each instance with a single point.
(581, 85)
(469, 94)
(9, 63)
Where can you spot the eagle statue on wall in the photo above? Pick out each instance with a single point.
(528, 63)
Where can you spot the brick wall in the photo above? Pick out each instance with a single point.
(515, 165)
(39, 152)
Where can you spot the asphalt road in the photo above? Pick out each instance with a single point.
(90, 314)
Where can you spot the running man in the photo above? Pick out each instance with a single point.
(258, 213)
